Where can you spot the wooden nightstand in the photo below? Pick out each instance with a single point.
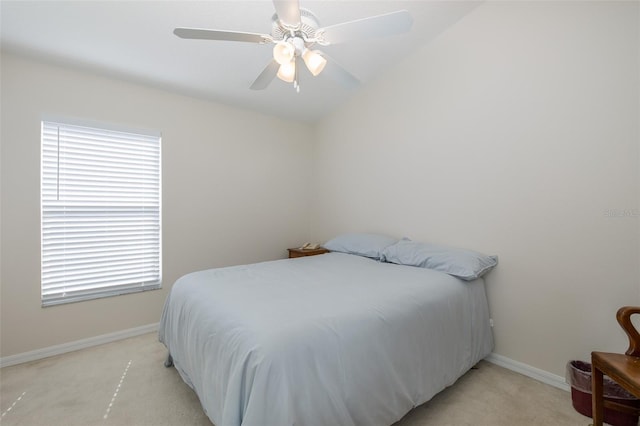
(299, 252)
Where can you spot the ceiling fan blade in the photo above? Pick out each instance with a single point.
(200, 34)
(337, 73)
(266, 76)
(375, 26)
(288, 12)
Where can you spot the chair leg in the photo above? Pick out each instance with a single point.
(597, 396)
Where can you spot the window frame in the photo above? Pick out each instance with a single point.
(141, 217)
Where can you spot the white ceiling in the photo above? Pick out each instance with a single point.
(134, 40)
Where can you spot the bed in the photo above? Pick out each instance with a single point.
(335, 339)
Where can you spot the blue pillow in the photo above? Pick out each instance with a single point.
(361, 244)
(465, 264)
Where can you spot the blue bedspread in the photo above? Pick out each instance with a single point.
(326, 340)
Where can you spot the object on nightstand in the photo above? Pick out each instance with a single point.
(310, 246)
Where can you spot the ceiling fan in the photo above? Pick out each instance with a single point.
(296, 31)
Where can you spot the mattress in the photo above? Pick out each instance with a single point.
(327, 340)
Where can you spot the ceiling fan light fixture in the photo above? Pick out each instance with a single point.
(314, 60)
(287, 72)
(294, 31)
(283, 52)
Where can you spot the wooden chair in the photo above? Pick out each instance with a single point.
(624, 369)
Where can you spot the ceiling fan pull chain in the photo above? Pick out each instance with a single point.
(296, 85)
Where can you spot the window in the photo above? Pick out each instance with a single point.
(100, 195)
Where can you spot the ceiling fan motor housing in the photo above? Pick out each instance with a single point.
(307, 29)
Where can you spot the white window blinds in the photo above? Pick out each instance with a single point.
(100, 213)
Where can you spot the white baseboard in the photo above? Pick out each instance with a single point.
(74, 346)
(529, 371)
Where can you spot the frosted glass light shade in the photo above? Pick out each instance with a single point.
(314, 60)
(283, 52)
(287, 72)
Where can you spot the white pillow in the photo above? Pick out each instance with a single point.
(465, 264)
(361, 244)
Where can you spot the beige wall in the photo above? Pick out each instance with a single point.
(227, 193)
(513, 133)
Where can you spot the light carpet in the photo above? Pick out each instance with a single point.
(124, 383)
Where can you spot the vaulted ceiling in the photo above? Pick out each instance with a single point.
(134, 40)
